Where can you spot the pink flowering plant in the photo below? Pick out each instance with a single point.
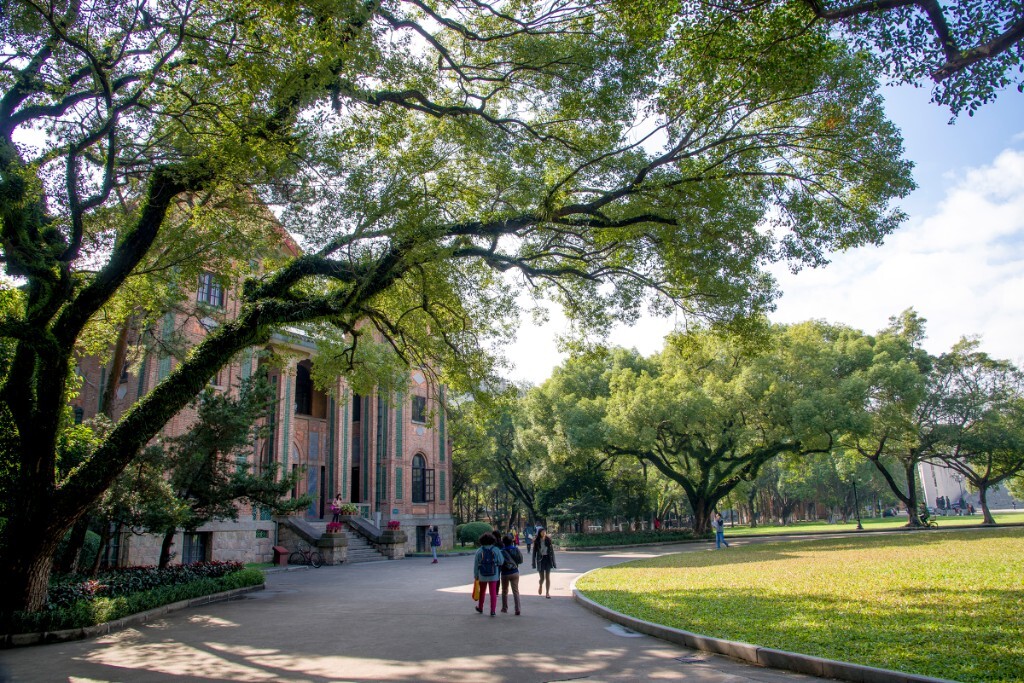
(393, 525)
(333, 527)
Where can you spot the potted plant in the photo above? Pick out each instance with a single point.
(334, 527)
(348, 509)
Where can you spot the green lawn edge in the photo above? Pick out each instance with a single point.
(913, 624)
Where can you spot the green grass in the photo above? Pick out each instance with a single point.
(949, 605)
(870, 524)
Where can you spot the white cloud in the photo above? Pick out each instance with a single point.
(961, 267)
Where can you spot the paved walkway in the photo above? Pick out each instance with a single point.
(407, 620)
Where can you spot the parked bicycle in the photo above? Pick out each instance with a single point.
(306, 555)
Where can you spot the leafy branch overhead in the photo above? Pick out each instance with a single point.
(433, 160)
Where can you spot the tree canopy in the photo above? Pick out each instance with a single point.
(422, 153)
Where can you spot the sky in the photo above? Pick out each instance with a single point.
(958, 260)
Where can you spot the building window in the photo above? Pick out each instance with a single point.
(195, 547)
(303, 390)
(79, 415)
(419, 409)
(210, 291)
(422, 481)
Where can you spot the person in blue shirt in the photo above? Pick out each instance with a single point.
(486, 570)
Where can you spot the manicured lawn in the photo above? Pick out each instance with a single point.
(869, 524)
(944, 604)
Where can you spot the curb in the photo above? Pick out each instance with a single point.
(23, 639)
(753, 654)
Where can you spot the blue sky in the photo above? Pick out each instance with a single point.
(958, 259)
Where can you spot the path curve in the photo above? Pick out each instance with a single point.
(406, 620)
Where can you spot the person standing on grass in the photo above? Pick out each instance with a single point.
(544, 561)
(435, 541)
(486, 570)
(510, 573)
(719, 525)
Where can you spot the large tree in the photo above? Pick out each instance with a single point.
(708, 411)
(423, 152)
(981, 414)
(967, 51)
(902, 422)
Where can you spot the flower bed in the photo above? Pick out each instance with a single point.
(74, 602)
(67, 590)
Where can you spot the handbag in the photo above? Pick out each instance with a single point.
(476, 589)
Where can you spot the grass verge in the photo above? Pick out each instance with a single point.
(99, 610)
(949, 605)
(869, 524)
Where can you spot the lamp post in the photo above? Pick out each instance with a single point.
(856, 501)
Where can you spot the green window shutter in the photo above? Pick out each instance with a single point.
(442, 486)
(143, 371)
(103, 389)
(247, 364)
(165, 358)
(440, 430)
(398, 483)
(399, 425)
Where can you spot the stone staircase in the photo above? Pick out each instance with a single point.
(359, 549)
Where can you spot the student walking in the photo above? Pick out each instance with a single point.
(486, 566)
(528, 537)
(435, 541)
(510, 573)
(719, 524)
(544, 561)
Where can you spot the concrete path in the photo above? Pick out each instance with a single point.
(406, 620)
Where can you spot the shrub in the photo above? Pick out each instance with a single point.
(471, 532)
(92, 610)
(621, 538)
(67, 590)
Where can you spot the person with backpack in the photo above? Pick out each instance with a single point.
(486, 569)
(435, 541)
(544, 560)
(510, 573)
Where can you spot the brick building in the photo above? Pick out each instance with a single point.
(388, 454)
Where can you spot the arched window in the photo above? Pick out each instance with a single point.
(422, 481)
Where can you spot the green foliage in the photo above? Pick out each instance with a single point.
(209, 472)
(472, 531)
(613, 538)
(429, 182)
(894, 601)
(97, 610)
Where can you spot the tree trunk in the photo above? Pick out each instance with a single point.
(116, 368)
(28, 553)
(165, 547)
(750, 504)
(910, 467)
(983, 500)
(68, 563)
(702, 508)
(104, 545)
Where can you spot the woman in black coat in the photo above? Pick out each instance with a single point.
(544, 561)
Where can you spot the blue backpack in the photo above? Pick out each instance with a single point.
(487, 564)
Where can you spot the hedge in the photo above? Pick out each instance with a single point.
(471, 532)
(591, 540)
(93, 610)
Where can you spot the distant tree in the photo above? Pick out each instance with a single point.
(901, 420)
(982, 418)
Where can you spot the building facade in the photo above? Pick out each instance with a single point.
(387, 453)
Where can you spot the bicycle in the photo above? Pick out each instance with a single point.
(306, 555)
